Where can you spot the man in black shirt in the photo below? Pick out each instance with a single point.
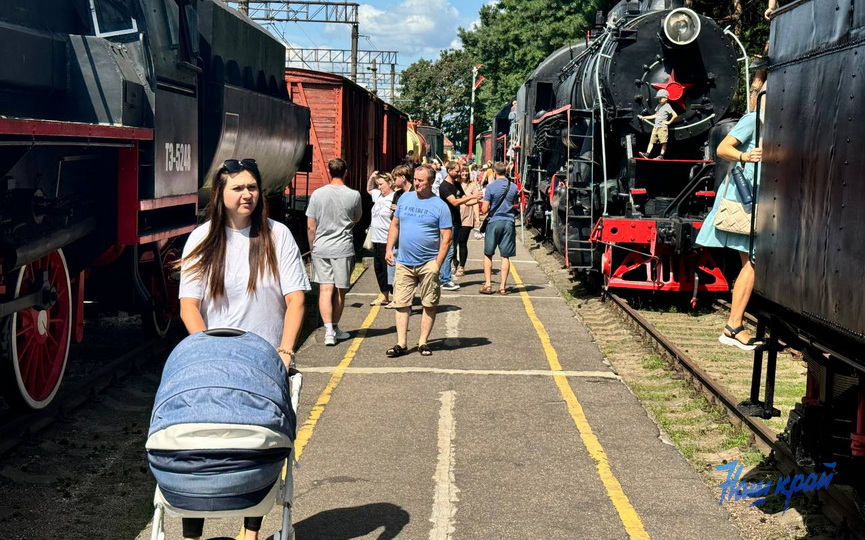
(452, 193)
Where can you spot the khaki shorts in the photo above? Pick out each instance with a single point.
(424, 277)
(659, 135)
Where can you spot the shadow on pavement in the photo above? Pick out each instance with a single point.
(353, 522)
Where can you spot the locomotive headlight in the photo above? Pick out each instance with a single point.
(682, 26)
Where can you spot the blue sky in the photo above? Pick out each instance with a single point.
(415, 28)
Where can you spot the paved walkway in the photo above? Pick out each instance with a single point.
(514, 428)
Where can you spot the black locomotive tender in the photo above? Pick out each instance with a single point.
(808, 243)
(113, 114)
(578, 140)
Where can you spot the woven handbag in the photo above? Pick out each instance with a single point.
(732, 216)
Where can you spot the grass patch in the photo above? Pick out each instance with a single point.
(654, 362)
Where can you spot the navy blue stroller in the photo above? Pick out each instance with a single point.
(222, 430)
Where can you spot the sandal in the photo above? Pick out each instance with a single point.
(424, 350)
(395, 351)
(486, 289)
(749, 345)
(504, 292)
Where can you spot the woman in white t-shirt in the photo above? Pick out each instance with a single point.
(242, 270)
(380, 187)
(246, 272)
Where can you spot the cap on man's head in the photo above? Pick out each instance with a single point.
(662, 94)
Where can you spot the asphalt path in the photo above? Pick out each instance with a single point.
(515, 427)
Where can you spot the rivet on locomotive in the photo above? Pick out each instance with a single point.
(113, 115)
(578, 136)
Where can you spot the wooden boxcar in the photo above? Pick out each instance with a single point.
(349, 122)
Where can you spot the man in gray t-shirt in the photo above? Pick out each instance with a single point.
(331, 214)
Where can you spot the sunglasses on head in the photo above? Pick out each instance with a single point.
(234, 166)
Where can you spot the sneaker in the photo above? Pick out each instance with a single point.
(644, 155)
(390, 305)
(451, 286)
(340, 334)
(330, 338)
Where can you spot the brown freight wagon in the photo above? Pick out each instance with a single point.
(347, 121)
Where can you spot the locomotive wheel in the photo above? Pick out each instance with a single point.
(36, 341)
(157, 316)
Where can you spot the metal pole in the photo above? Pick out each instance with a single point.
(374, 70)
(472, 112)
(392, 83)
(355, 34)
(243, 6)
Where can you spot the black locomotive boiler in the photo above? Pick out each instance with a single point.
(113, 113)
(808, 244)
(578, 139)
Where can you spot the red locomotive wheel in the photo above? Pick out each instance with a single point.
(39, 347)
(157, 317)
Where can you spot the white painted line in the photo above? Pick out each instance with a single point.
(532, 261)
(448, 371)
(452, 328)
(514, 294)
(444, 503)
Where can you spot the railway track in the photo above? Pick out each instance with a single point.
(17, 426)
(676, 344)
(836, 503)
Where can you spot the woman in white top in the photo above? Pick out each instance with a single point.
(380, 187)
(242, 270)
(247, 271)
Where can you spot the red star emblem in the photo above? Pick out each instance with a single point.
(674, 87)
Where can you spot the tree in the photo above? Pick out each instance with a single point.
(514, 36)
(439, 93)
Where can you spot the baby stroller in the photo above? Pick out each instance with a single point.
(222, 430)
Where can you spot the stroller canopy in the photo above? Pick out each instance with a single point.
(222, 423)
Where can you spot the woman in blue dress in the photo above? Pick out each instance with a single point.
(738, 146)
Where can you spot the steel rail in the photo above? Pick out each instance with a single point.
(766, 436)
(16, 426)
(837, 505)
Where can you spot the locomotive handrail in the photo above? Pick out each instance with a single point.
(603, 126)
(743, 58)
(757, 171)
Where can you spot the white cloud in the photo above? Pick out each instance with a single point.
(415, 28)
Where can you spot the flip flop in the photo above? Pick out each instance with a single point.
(424, 350)
(486, 289)
(504, 292)
(395, 351)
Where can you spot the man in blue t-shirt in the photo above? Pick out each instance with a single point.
(499, 199)
(422, 224)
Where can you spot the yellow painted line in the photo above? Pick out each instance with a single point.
(630, 519)
(305, 432)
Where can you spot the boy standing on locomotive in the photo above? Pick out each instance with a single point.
(663, 117)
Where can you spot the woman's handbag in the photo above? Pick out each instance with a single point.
(732, 216)
(367, 242)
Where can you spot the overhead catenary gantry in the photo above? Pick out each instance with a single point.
(326, 12)
(374, 63)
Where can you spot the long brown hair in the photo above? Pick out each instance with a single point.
(209, 256)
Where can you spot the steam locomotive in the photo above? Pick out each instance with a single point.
(577, 137)
(114, 114)
(808, 245)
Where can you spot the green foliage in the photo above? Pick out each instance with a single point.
(439, 93)
(512, 38)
